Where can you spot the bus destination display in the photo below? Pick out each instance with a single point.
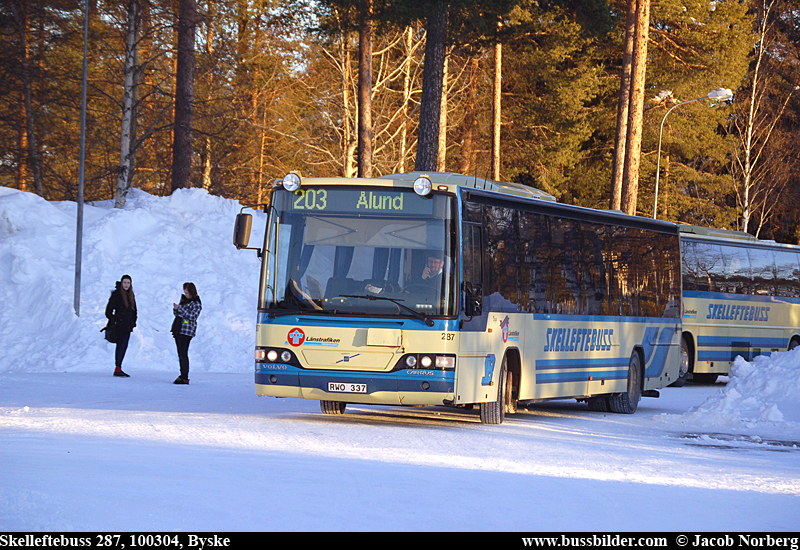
(360, 201)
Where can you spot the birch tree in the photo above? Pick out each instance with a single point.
(754, 126)
(125, 170)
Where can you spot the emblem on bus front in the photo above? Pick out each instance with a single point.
(296, 337)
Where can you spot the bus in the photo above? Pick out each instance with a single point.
(449, 290)
(741, 296)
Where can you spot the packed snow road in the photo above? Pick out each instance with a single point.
(85, 451)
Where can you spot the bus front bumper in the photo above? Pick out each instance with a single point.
(399, 387)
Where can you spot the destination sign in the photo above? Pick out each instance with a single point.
(359, 201)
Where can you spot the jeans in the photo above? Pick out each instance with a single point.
(182, 343)
(122, 347)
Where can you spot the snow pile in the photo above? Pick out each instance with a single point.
(161, 242)
(763, 394)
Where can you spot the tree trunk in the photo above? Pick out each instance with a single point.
(22, 147)
(205, 156)
(124, 171)
(365, 98)
(496, 107)
(431, 100)
(467, 153)
(409, 35)
(630, 179)
(620, 143)
(441, 157)
(184, 97)
(349, 142)
(34, 162)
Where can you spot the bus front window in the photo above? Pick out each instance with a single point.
(381, 252)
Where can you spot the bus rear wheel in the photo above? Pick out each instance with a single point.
(332, 407)
(628, 401)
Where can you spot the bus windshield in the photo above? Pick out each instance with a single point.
(360, 251)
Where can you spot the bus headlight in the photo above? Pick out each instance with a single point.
(291, 182)
(411, 361)
(272, 356)
(445, 362)
(260, 354)
(286, 356)
(422, 186)
(426, 362)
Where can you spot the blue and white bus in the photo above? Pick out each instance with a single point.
(449, 290)
(741, 296)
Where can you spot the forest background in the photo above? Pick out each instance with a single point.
(274, 88)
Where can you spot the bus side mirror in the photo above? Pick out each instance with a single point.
(241, 232)
(473, 300)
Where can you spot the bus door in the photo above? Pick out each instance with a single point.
(478, 362)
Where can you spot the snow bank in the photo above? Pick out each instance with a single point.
(161, 242)
(763, 394)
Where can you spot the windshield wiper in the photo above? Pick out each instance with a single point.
(415, 313)
(298, 311)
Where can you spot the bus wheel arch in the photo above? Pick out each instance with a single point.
(513, 367)
(794, 342)
(628, 401)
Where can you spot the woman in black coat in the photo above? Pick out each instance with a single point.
(121, 313)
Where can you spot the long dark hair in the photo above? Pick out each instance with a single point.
(192, 290)
(128, 297)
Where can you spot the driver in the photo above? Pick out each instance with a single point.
(433, 268)
(432, 273)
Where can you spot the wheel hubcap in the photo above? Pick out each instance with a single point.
(684, 368)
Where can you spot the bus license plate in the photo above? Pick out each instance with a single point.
(346, 387)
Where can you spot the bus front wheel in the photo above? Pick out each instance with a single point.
(628, 401)
(332, 407)
(494, 412)
(683, 369)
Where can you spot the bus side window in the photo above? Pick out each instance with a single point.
(787, 273)
(762, 266)
(501, 249)
(738, 275)
(710, 269)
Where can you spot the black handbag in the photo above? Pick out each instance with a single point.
(110, 332)
(176, 326)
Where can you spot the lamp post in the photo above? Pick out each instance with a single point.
(723, 94)
(79, 230)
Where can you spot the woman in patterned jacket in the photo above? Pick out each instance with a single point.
(184, 327)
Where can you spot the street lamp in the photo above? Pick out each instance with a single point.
(723, 94)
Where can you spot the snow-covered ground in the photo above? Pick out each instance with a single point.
(82, 450)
